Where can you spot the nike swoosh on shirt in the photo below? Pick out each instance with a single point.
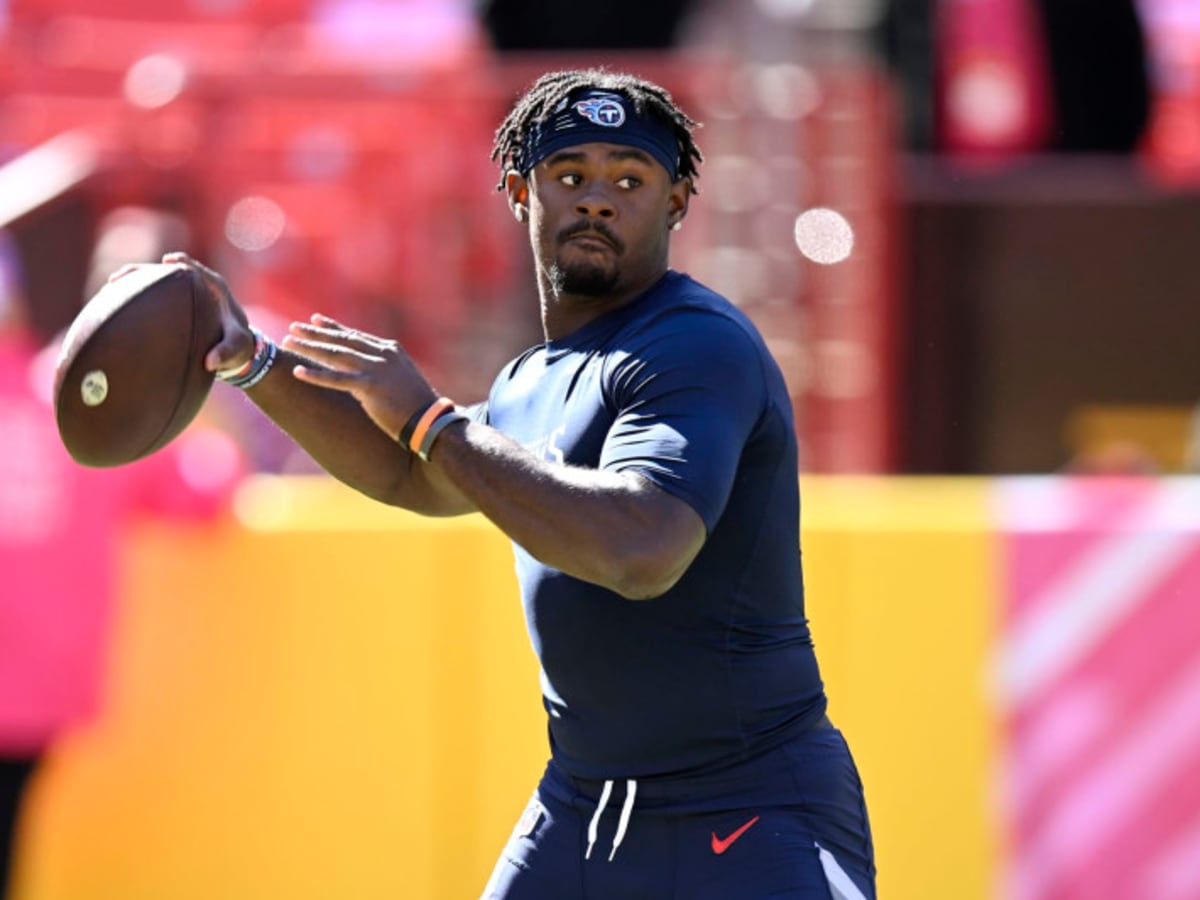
(721, 845)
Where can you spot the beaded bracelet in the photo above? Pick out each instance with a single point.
(256, 369)
(242, 371)
(259, 372)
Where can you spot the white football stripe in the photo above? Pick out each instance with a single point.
(1082, 607)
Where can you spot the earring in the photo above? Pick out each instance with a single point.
(677, 226)
(519, 212)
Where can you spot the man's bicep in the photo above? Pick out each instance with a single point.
(690, 452)
(672, 529)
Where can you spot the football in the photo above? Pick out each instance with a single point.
(130, 375)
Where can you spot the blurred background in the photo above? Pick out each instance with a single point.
(967, 228)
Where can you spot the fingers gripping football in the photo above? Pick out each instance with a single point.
(237, 340)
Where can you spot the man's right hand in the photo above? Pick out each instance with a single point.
(236, 346)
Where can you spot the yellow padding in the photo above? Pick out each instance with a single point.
(320, 698)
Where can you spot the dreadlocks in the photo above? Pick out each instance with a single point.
(548, 93)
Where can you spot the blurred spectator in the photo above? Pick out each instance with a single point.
(1191, 452)
(992, 78)
(1100, 84)
(1015, 76)
(1172, 143)
(1117, 457)
(60, 528)
(905, 41)
(533, 25)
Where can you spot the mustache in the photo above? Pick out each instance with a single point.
(585, 227)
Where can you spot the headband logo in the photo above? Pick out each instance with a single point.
(603, 111)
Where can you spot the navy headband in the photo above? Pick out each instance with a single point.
(603, 117)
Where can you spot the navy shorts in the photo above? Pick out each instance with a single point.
(819, 847)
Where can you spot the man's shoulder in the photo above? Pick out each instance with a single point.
(682, 288)
(513, 366)
(686, 305)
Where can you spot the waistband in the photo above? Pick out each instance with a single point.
(731, 784)
(769, 778)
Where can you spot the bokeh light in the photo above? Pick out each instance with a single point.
(254, 223)
(824, 235)
(155, 81)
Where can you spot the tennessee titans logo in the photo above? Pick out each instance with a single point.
(603, 111)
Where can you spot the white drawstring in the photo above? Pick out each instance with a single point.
(595, 823)
(622, 824)
(626, 812)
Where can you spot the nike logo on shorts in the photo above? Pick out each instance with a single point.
(720, 845)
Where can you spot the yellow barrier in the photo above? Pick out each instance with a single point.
(323, 699)
(903, 592)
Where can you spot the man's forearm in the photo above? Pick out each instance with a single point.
(613, 529)
(335, 431)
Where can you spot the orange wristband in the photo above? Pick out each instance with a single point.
(439, 406)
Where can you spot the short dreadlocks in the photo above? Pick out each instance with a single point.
(547, 93)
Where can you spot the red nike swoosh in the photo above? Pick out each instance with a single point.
(720, 846)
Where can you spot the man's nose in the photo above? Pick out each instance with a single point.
(595, 204)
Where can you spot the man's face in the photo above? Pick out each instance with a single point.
(599, 217)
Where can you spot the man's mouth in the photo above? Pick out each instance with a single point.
(590, 240)
(592, 237)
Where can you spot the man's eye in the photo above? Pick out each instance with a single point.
(629, 182)
(571, 179)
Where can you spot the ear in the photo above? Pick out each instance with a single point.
(677, 202)
(517, 188)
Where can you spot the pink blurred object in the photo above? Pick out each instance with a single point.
(397, 29)
(1172, 142)
(60, 534)
(1099, 684)
(994, 90)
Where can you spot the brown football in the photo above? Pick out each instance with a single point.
(130, 375)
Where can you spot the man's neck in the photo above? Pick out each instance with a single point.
(564, 314)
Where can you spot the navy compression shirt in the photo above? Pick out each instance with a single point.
(679, 387)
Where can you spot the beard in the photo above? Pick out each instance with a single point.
(583, 279)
